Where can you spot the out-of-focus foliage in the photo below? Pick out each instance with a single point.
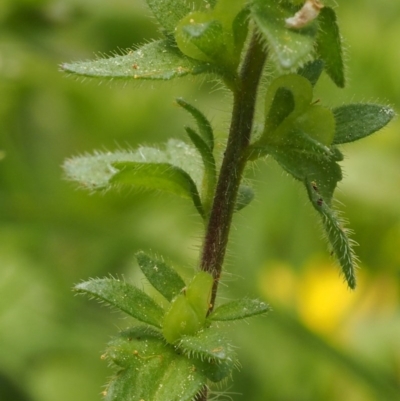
(53, 236)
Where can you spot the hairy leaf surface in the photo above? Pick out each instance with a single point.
(158, 176)
(157, 60)
(95, 171)
(161, 276)
(290, 48)
(356, 121)
(240, 309)
(215, 355)
(125, 297)
(150, 369)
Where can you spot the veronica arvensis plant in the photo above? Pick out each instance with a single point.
(178, 350)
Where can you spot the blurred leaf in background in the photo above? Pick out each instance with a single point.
(321, 342)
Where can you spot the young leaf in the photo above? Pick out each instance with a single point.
(355, 121)
(244, 197)
(159, 176)
(181, 319)
(162, 277)
(312, 71)
(203, 124)
(209, 346)
(157, 60)
(290, 48)
(125, 297)
(329, 46)
(151, 369)
(240, 309)
(187, 314)
(198, 293)
(336, 233)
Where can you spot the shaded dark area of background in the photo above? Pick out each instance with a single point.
(321, 342)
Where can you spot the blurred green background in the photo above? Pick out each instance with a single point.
(321, 342)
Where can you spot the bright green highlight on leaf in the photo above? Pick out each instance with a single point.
(125, 297)
(156, 60)
(289, 108)
(161, 276)
(215, 36)
(289, 48)
(150, 370)
(240, 309)
(187, 313)
(356, 121)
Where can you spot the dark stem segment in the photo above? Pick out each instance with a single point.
(245, 94)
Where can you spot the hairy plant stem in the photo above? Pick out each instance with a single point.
(216, 238)
(245, 94)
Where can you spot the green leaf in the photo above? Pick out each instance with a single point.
(312, 71)
(200, 36)
(240, 309)
(282, 106)
(158, 60)
(288, 95)
(244, 197)
(159, 176)
(356, 121)
(203, 124)
(125, 297)
(95, 171)
(210, 174)
(290, 48)
(212, 351)
(342, 245)
(181, 319)
(306, 159)
(169, 12)
(162, 277)
(150, 369)
(329, 46)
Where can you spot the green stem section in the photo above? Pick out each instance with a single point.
(245, 94)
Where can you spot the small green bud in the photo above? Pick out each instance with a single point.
(181, 319)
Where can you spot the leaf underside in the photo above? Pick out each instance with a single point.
(95, 171)
(157, 60)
